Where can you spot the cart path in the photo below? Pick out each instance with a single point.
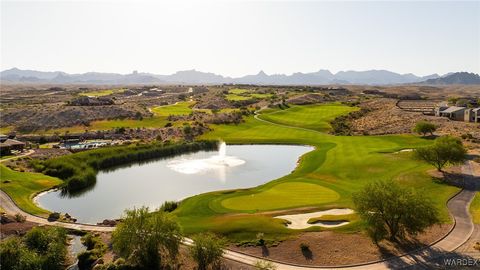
(458, 207)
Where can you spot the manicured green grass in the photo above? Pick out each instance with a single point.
(340, 164)
(281, 196)
(244, 94)
(325, 177)
(238, 91)
(101, 93)
(149, 122)
(180, 108)
(6, 130)
(310, 116)
(22, 186)
(235, 97)
(160, 119)
(475, 209)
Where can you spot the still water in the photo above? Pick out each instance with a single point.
(175, 178)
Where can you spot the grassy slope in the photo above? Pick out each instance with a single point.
(101, 93)
(475, 209)
(339, 165)
(310, 116)
(244, 94)
(23, 186)
(157, 121)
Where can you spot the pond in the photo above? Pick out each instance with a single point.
(175, 178)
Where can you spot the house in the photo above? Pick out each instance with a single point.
(472, 115)
(9, 145)
(453, 113)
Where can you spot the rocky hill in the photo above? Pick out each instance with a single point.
(456, 78)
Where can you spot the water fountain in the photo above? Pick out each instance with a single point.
(217, 162)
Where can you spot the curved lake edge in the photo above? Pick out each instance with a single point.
(298, 159)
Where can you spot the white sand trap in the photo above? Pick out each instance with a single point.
(300, 221)
(404, 150)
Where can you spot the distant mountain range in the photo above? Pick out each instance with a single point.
(456, 78)
(321, 77)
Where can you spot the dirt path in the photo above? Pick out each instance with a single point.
(19, 156)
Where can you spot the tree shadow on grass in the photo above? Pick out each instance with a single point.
(459, 180)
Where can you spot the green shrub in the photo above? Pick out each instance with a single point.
(169, 206)
(53, 216)
(19, 218)
(41, 248)
(264, 265)
(304, 247)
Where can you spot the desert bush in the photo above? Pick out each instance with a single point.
(207, 249)
(264, 265)
(41, 248)
(54, 216)
(160, 238)
(260, 240)
(304, 247)
(19, 218)
(424, 127)
(169, 206)
(95, 250)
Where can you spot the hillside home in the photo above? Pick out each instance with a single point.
(453, 113)
(472, 115)
(9, 145)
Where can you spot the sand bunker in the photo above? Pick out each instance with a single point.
(404, 150)
(300, 221)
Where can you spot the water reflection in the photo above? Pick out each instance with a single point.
(152, 183)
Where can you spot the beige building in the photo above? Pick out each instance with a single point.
(472, 115)
(453, 113)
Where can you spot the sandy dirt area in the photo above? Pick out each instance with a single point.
(300, 221)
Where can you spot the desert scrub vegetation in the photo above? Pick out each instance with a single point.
(341, 125)
(42, 248)
(79, 170)
(95, 250)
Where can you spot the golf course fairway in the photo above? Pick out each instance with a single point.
(324, 178)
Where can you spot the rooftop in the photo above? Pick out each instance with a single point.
(11, 142)
(453, 109)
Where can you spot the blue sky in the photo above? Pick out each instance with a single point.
(236, 38)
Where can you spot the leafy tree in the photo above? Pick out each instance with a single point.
(144, 239)
(424, 127)
(392, 211)
(445, 150)
(206, 250)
